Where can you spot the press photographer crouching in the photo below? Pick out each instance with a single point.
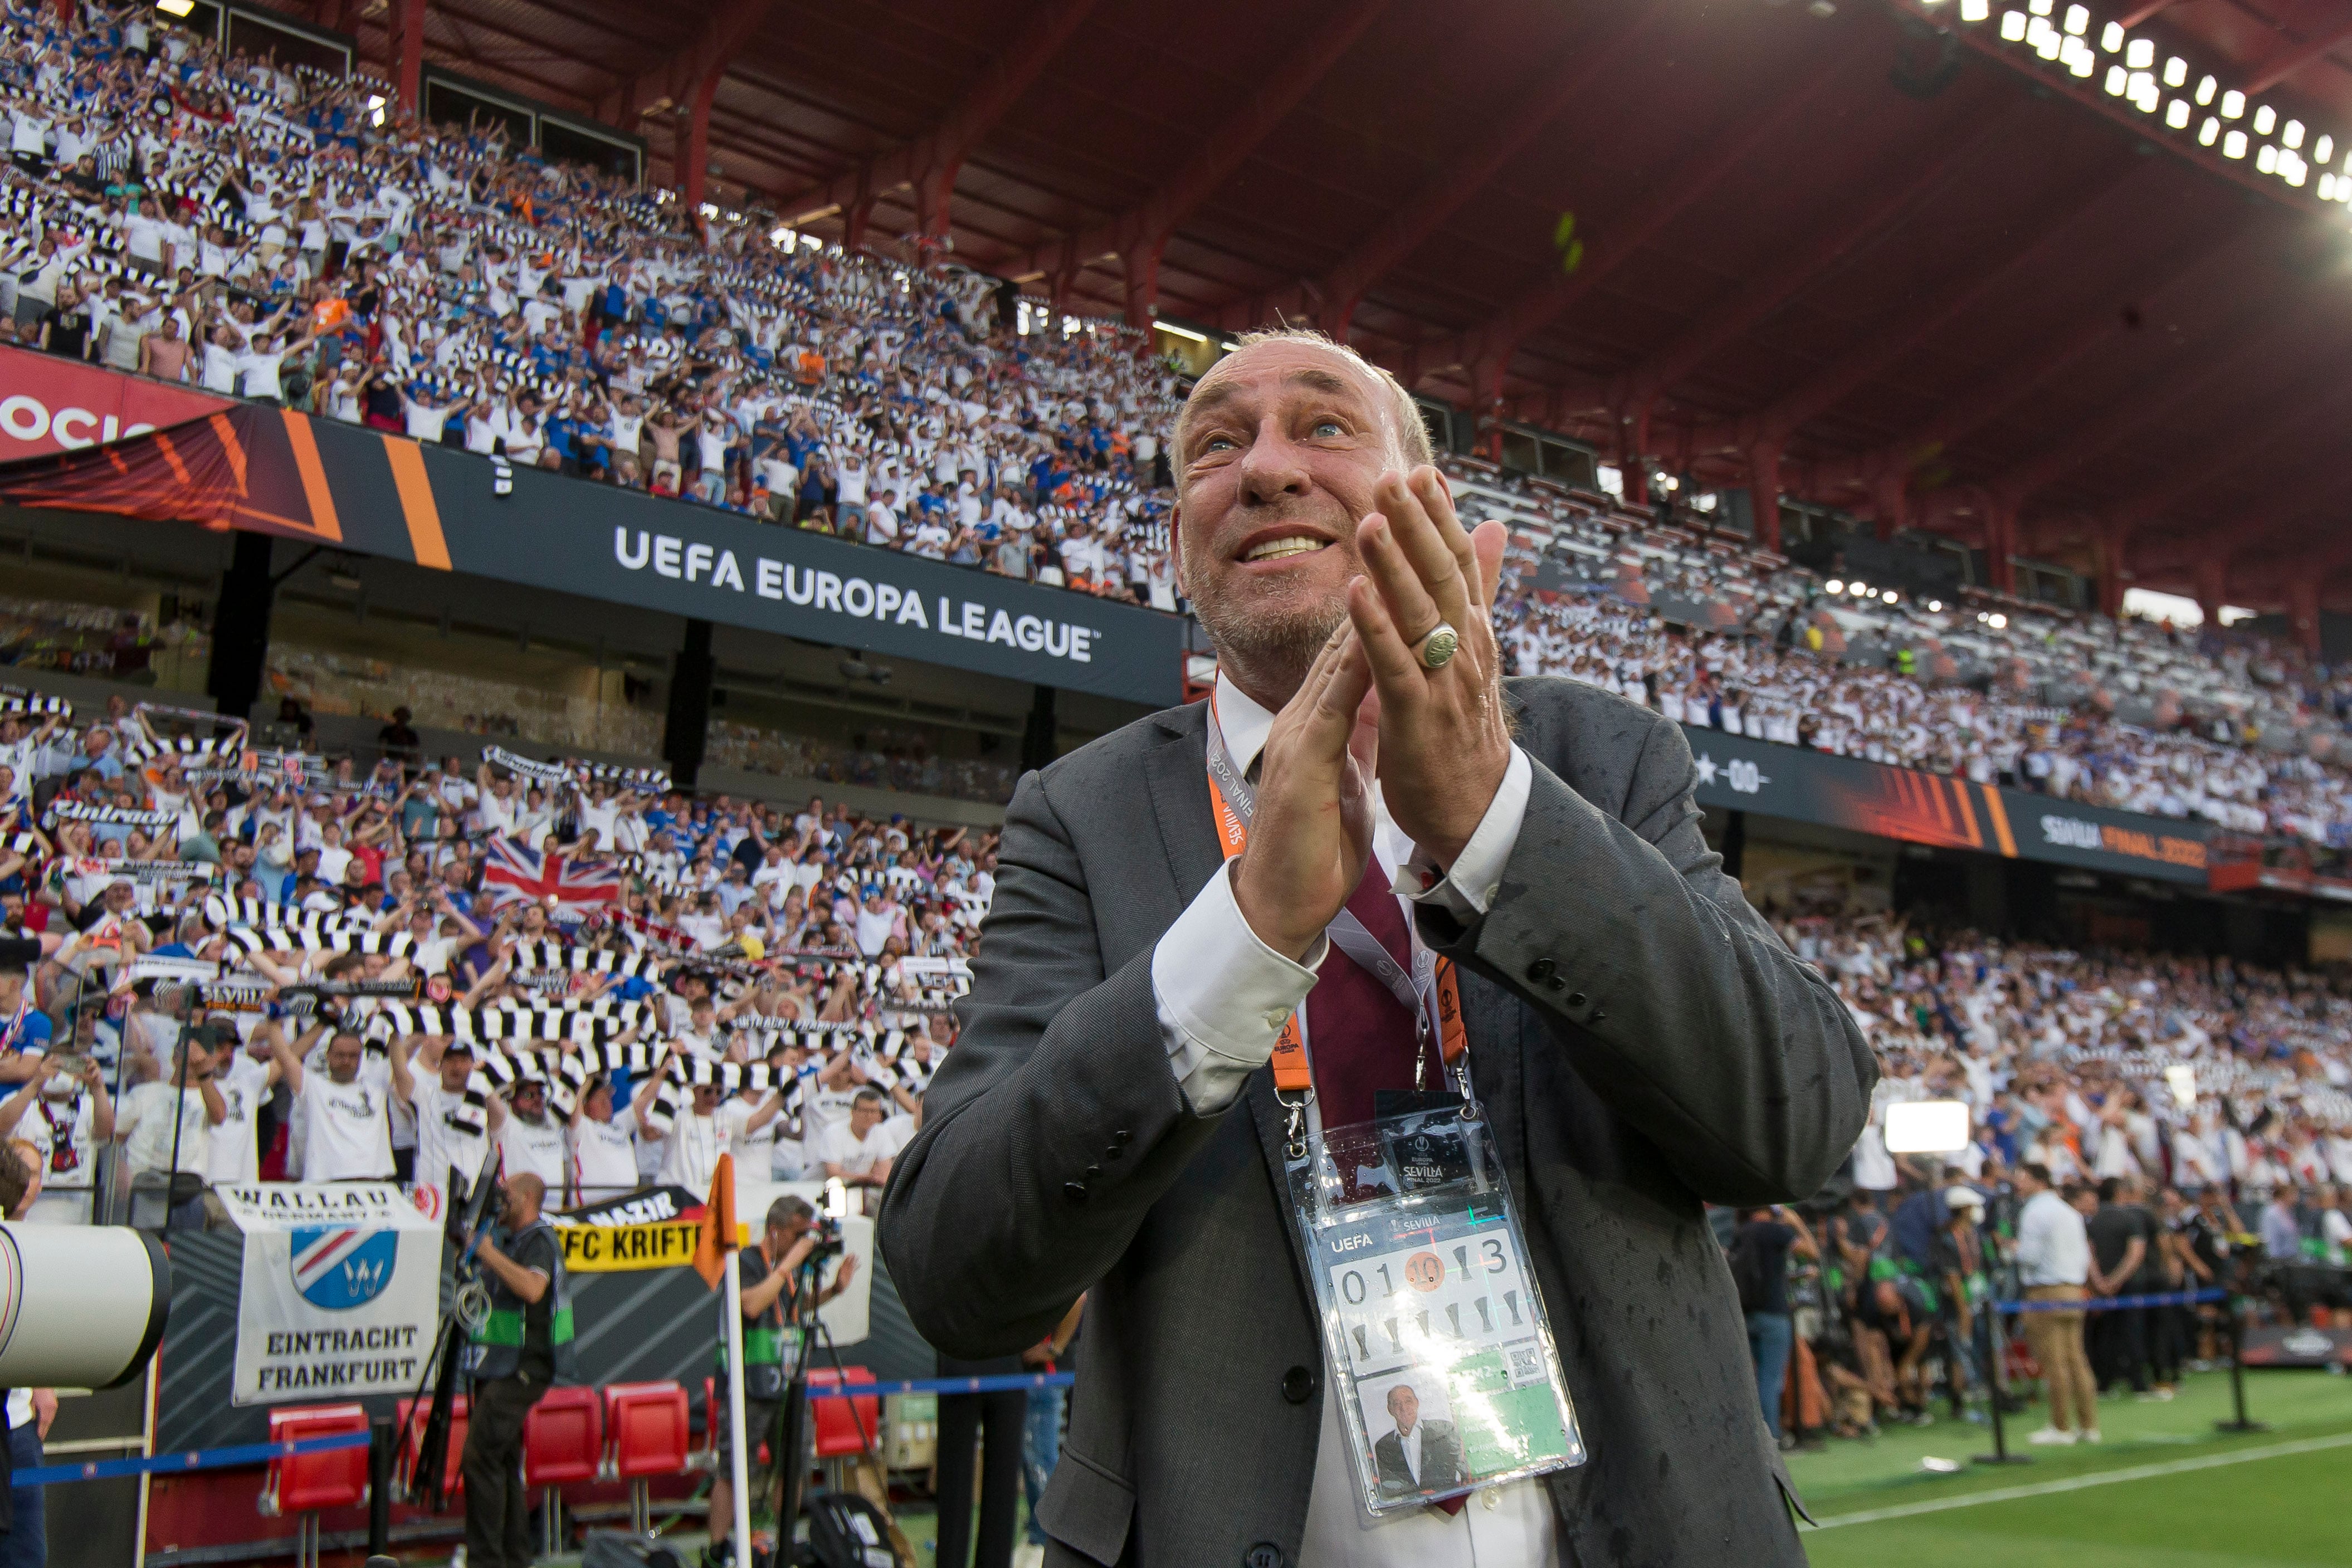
(521, 1348)
(773, 1270)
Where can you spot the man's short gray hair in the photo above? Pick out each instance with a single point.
(1412, 434)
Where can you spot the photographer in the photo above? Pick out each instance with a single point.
(770, 1273)
(518, 1350)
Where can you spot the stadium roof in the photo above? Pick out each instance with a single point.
(1934, 274)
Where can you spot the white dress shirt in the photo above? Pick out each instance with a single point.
(1223, 997)
(2054, 1247)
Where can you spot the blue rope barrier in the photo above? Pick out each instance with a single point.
(193, 1460)
(2113, 1304)
(994, 1384)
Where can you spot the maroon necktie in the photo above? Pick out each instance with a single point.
(1359, 1036)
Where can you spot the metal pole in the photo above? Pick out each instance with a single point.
(1997, 1384)
(2236, 1310)
(740, 1457)
(383, 1444)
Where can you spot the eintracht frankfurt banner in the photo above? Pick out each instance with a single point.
(340, 1294)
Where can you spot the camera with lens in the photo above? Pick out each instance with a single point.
(825, 1229)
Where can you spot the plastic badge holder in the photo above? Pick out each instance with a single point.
(1431, 1322)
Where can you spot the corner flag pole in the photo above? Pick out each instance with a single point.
(738, 1452)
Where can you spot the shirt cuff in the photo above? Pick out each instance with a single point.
(1467, 891)
(1223, 996)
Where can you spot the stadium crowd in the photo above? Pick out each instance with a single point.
(382, 971)
(272, 233)
(2227, 730)
(2194, 1113)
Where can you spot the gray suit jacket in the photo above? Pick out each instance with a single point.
(1640, 1041)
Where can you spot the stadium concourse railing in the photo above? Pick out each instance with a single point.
(185, 457)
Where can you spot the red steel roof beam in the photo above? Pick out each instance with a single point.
(1138, 237)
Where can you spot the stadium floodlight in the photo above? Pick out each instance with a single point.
(1975, 10)
(2293, 170)
(2233, 104)
(2234, 144)
(2111, 36)
(1890, 596)
(2140, 54)
(2176, 114)
(1834, 585)
(2208, 132)
(1927, 1126)
(2119, 81)
(1998, 621)
(2327, 187)
(2148, 96)
(2206, 88)
(2265, 119)
(2012, 26)
(2291, 135)
(2051, 42)
(2322, 149)
(2266, 159)
(2079, 59)
(1935, 607)
(2175, 72)
(2078, 20)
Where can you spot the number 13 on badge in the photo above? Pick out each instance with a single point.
(1436, 1336)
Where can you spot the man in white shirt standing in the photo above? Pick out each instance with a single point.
(533, 1141)
(245, 1074)
(166, 1124)
(2053, 1259)
(603, 1145)
(858, 1152)
(430, 1072)
(346, 1124)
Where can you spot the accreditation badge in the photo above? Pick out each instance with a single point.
(1433, 1327)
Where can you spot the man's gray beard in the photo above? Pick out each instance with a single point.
(1272, 649)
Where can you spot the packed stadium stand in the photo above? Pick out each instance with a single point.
(676, 890)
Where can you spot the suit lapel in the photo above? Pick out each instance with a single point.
(1176, 772)
(1178, 776)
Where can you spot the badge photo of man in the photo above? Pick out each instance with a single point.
(1418, 1456)
(1639, 1040)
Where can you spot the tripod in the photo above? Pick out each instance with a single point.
(792, 1449)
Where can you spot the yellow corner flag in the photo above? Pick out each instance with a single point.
(718, 1233)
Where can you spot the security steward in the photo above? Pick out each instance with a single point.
(518, 1350)
(770, 1273)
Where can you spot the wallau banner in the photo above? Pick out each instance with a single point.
(276, 471)
(341, 1290)
(1743, 775)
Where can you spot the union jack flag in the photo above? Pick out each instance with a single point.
(514, 873)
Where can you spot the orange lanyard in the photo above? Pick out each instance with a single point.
(1292, 1071)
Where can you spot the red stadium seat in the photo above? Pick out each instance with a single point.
(303, 1484)
(647, 1434)
(562, 1440)
(845, 1427)
(410, 1417)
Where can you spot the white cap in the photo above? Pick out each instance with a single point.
(1962, 1197)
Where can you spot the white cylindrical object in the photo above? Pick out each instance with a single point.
(81, 1306)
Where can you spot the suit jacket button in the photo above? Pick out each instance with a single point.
(1576, 998)
(1265, 1555)
(1121, 1137)
(1113, 1152)
(1093, 1171)
(1541, 970)
(1557, 984)
(1298, 1384)
(1075, 1191)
